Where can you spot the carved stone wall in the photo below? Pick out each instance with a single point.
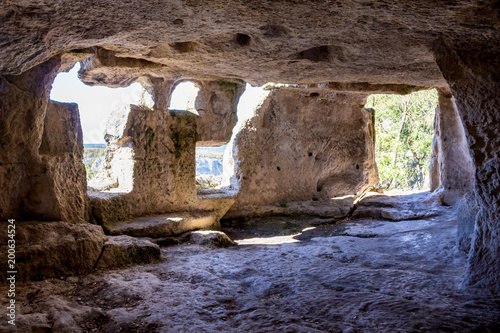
(304, 146)
(41, 173)
(162, 167)
(216, 103)
(472, 71)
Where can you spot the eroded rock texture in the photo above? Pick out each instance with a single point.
(350, 44)
(451, 168)
(473, 73)
(160, 149)
(41, 173)
(216, 103)
(54, 249)
(305, 146)
(285, 41)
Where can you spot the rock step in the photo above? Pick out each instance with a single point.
(165, 225)
(122, 251)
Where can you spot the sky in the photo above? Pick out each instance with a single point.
(96, 102)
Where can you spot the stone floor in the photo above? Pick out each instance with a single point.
(287, 274)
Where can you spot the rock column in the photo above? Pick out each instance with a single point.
(451, 165)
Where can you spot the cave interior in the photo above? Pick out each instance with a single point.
(305, 158)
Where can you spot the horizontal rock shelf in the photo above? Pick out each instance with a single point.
(164, 225)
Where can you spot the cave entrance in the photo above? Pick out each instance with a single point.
(103, 114)
(404, 133)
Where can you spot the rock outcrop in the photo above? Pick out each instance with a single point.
(54, 249)
(305, 147)
(166, 225)
(216, 104)
(286, 41)
(122, 251)
(211, 238)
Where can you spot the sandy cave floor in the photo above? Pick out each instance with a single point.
(286, 275)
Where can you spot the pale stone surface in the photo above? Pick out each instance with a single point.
(421, 43)
(302, 146)
(59, 189)
(286, 41)
(466, 220)
(121, 251)
(416, 206)
(58, 249)
(358, 276)
(211, 238)
(163, 158)
(116, 172)
(451, 163)
(163, 225)
(23, 102)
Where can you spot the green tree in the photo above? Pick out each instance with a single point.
(404, 132)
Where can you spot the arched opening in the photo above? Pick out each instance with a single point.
(103, 115)
(184, 96)
(404, 134)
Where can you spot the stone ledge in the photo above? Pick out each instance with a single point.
(164, 225)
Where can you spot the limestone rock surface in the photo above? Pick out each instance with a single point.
(305, 146)
(150, 165)
(54, 249)
(59, 188)
(473, 75)
(121, 251)
(416, 206)
(163, 225)
(261, 41)
(211, 238)
(451, 164)
(40, 143)
(216, 104)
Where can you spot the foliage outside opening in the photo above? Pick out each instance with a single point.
(404, 132)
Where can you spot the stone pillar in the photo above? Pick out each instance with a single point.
(304, 147)
(451, 165)
(472, 72)
(59, 184)
(162, 92)
(216, 104)
(23, 104)
(160, 151)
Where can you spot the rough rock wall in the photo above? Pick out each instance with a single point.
(160, 148)
(216, 103)
(473, 71)
(304, 146)
(260, 41)
(39, 156)
(59, 187)
(163, 172)
(451, 165)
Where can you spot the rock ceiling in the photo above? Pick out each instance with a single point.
(287, 41)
